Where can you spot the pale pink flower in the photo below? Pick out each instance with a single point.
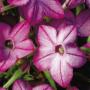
(14, 44)
(58, 53)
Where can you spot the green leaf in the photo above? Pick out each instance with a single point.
(50, 80)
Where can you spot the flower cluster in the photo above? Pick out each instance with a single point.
(43, 47)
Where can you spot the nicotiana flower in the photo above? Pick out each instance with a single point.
(14, 44)
(83, 23)
(24, 85)
(17, 2)
(35, 10)
(58, 53)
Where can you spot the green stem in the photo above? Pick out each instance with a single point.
(15, 76)
(49, 78)
(6, 8)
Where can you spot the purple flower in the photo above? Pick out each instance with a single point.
(17, 2)
(35, 10)
(83, 23)
(58, 53)
(23, 85)
(14, 44)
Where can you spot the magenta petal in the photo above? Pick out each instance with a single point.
(83, 24)
(46, 35)
(61, 72)
(24, 48)
(42, 87)
(75, 57)
(36, 10)
(17, 2)
(20, 31)
(6, 64)
(67, 34)
(21, 85)
(4, 32)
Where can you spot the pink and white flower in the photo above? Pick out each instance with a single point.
(58, 53)
(14, 44)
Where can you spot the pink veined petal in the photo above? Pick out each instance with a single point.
(67, 34)
(42, 87)
(4, 53)
(75, 57)
(83, 24)
(2, 88)
(24, 48)
(37, 9)
(4, 32)
(46, 36)
(6, 64)
(20, 31)
(18, 2)
(21, 85)
(60, 71)
(43, 63)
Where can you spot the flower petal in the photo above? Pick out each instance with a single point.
(6, 64)
(24, 48)
(83, 24)
(4, 33)
(21, 85)
(20, 31)
(18, 2)
(43, 63)
(60, 71)
(36, 10)
(46, 35)
(42, 87)
(67, 34)
(75, 57)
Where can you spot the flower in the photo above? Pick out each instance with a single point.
(14, 44)
(35, 10)
(23, 85)
(17, 2)
(83, 24)
(58, 53)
